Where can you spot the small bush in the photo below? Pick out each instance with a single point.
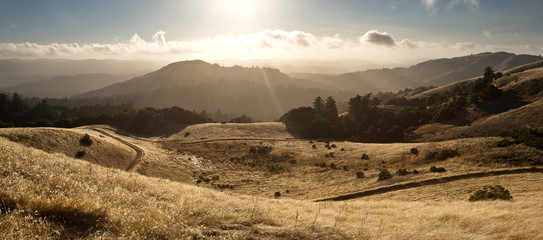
(402, 172)
(365, 157)
(314, 146)
(80, 154)
(384, 174)
(333, 146)
(85, 140)
(437, 169)
(415, 171)
(333, 166)
(359, 174)
(187, 134)
(491, 193)
(414, 151)
(343, 149)
(277, 194)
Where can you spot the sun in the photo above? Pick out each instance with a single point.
(240, 6)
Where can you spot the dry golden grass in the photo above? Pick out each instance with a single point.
(40, 191)
(104, 151)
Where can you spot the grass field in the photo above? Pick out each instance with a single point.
(48, 195)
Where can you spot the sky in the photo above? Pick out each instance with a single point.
(371, 31)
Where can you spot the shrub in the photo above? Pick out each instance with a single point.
(260, 150)
(491, 193)
(314, 146)
(365, 157)
(187, 134)
(80, 154)
(343, 149)
(359, 174)
(437, 169)
(85, 140)
(333, 146)
(277, 194)
(415, 171)
(402, 172)
(414, 151)
(384, 174)
(333, 166)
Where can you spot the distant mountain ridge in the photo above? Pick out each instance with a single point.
(433, 72)
(263, 93)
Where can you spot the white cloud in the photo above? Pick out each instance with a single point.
(373, 46)
(431, 5)
(379, 38)
(488, 34)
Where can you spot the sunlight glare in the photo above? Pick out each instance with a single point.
(240, 5)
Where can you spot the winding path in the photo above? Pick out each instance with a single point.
(139, 152)
(427, 182)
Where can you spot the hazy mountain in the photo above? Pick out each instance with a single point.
(263, 93)
(433, 72)
(17, 71)
(65, 86)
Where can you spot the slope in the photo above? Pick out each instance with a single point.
(433, 72)
(95, 202)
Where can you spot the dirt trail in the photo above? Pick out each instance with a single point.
(427, 182)
(232, 139)
(139, 152)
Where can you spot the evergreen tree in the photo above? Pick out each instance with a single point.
(318, 105)
(330, 112)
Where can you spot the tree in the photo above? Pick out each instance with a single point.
(330, 112)
(318, 105)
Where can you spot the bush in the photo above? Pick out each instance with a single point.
(437, 169)
(402, 172)
(414, 151)
(491, 193)
(333, 166)
(359, 174)
(415, 171)
(365, 157)
(277, 194)
(333, 146)
(80, 154)
(85, 140)
(384, 174)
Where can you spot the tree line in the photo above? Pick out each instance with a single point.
(16, 112)
(367, 121)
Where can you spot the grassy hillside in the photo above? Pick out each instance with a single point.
(88, 201)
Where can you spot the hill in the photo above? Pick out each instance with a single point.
(520, 108)
(65, 86)
(15, 72)
(262, 93)
(433, 72)
(90, 201)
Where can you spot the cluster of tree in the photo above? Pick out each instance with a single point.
(367, 122)
(16, 112)
(364, 122)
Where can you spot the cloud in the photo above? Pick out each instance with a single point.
(431, 5)
(373, 46)
(406, 43)
(379, 38)
(488, 34)
(160, 38)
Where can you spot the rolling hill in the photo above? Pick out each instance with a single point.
(433, 72)
(65, 86)
(262, 93)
